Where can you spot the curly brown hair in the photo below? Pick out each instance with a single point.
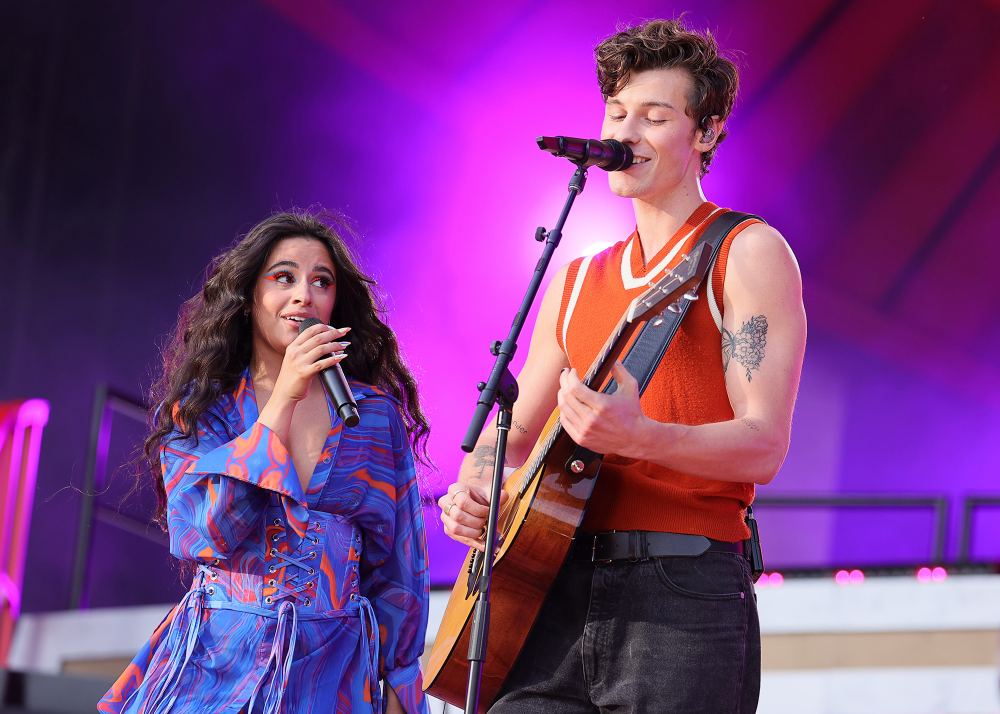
(211, 343)
(660, 44)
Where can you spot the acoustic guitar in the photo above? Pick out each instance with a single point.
(536, 526)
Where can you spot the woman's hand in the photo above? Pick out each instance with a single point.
(312, 351)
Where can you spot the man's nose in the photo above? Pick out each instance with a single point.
(626, 131)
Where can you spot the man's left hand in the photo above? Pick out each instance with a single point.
(603, 423)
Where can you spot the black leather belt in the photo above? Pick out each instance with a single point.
(642, 545)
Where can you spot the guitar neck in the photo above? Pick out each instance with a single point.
(664, 291)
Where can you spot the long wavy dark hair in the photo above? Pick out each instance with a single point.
(211, 343)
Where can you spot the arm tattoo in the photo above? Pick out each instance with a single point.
(517, 425)
(483, 458)
(748, 423)
(746, 346)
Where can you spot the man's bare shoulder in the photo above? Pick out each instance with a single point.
(761, 250)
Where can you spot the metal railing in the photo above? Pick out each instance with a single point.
(107, 403)
(970, 505)
(936, 504)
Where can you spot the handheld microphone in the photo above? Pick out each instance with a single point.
(610, 154)
(336, 385)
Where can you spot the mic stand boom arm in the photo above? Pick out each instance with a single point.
(501, 389)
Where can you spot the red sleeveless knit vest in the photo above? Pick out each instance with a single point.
(687, 388)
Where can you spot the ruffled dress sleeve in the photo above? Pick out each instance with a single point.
(219, 483)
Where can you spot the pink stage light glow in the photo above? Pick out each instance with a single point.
(931, 575)
(849, 577)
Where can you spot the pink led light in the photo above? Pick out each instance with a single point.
(842, 577)
(777, 579)
(924, 575)
(939, 574)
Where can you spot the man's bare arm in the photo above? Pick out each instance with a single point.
(465, 506)
(762, 345)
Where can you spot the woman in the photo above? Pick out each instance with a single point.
(305, 536)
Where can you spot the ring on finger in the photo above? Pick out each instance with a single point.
(447, 509)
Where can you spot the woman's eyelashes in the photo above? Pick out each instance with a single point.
(284, 277)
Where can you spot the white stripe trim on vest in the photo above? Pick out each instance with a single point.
(713, 307)
(573, 297)
(630, 282)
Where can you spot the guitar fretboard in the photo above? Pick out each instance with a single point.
(557, 430)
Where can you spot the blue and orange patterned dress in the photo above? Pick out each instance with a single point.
(302, 600)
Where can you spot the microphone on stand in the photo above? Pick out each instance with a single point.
(610, 154)
(336, 385)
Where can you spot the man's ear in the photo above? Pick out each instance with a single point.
(708, 132)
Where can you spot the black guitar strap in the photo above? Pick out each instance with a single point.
(648, 349)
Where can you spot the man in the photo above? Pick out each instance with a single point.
(669, 632)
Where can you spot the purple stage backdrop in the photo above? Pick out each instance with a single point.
(139, 139)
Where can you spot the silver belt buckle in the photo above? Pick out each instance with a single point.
(593, 552)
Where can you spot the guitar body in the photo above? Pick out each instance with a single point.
(537, 527)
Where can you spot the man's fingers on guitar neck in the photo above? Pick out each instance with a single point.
(460, 532)
(477, 544)
(469, 520)
(474, 499)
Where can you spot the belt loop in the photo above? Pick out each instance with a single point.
(633, 546)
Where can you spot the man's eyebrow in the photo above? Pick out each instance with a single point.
(662, 105)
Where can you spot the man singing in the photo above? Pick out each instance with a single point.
(644, 628)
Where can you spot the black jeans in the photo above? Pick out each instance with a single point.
(665, 635)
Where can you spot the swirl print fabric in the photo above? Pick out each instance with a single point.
(303, 598)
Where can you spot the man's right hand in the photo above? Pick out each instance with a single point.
(464, 509)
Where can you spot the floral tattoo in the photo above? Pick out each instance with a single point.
(746, 346)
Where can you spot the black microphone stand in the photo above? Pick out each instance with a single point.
(501, 389)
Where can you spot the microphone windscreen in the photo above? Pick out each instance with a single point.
(307, 323)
